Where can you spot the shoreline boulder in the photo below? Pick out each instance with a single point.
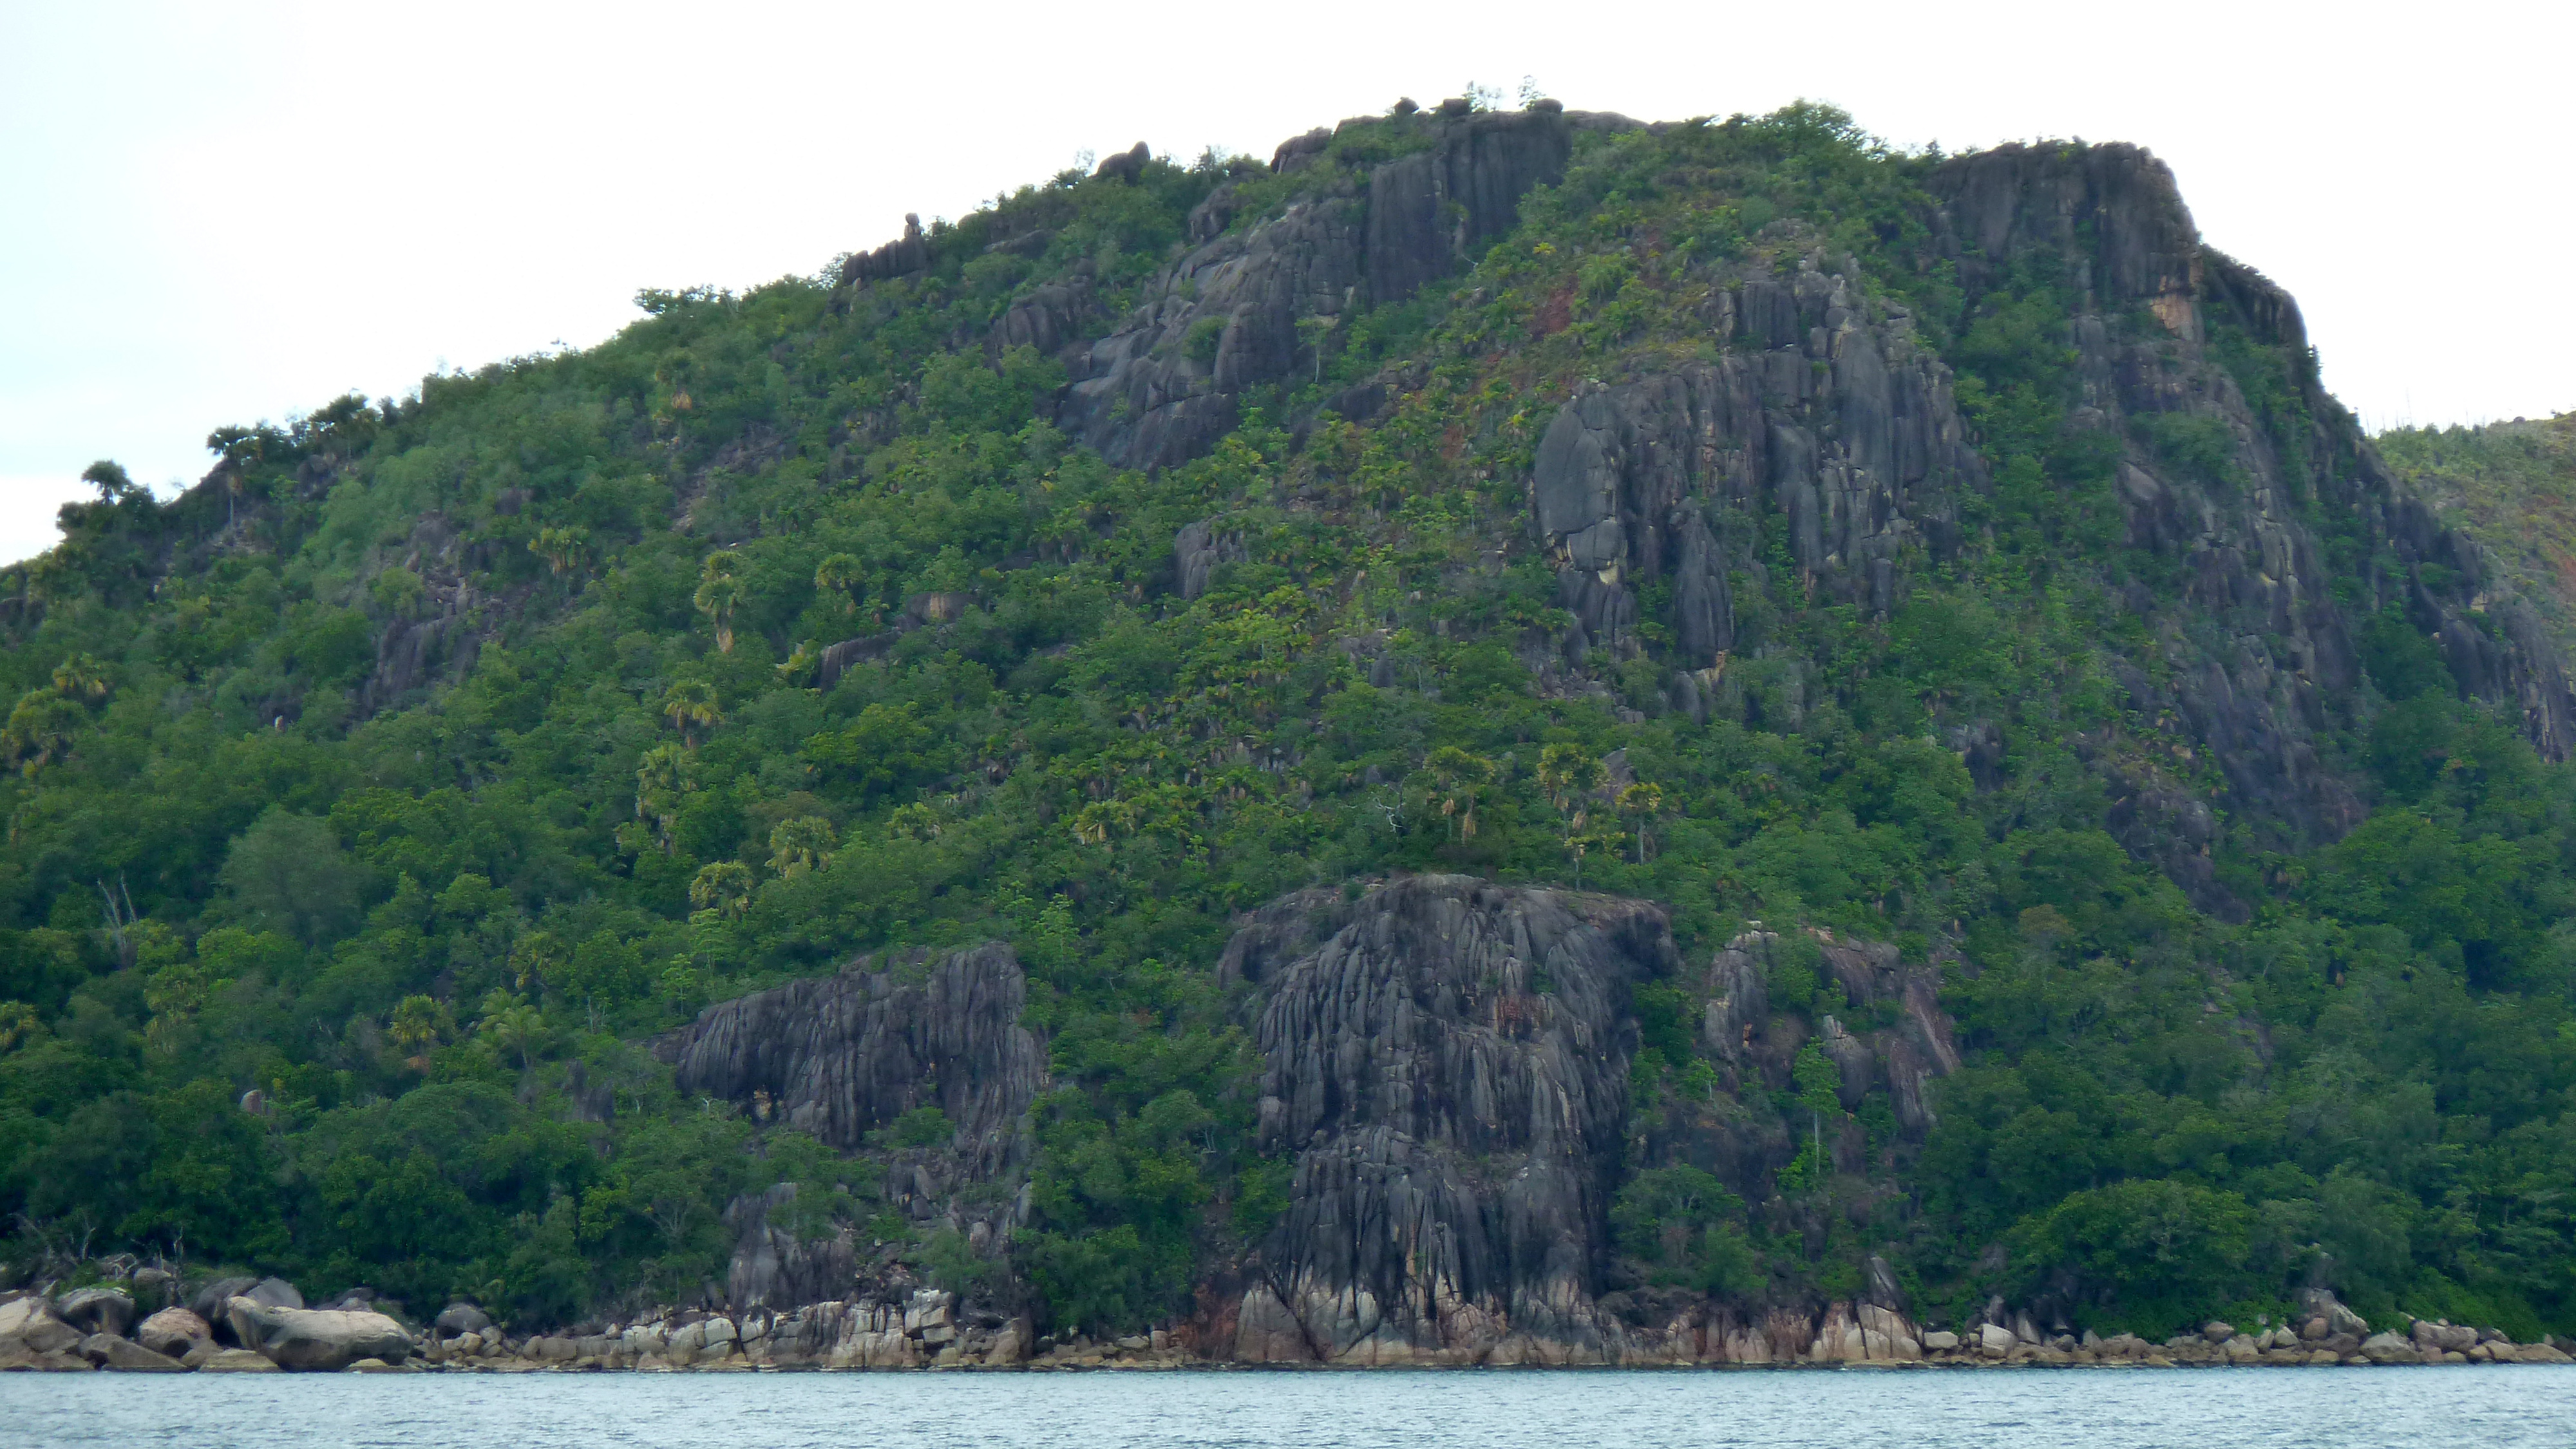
(114, 1351)
(316, 1339)
(30, 1326)
(96, 1310)
(172, 1331)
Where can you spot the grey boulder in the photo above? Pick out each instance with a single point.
(114, 1351)
(458, 1319)
(209, 1301)
(316, 1339)
(274, 1293)
(30, 1325)
(96, 1310)
(2389, 1348)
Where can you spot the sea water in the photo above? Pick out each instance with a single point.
(2458, 1408)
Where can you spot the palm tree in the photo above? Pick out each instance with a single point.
(417, 1024)
(718, 592)
(538, 956)
(800, 664)
(1459, 779)
(802, 844)
(235, 449)
(724, 888)
(564, 549)
(81, 677)
(664, 775)
(692, 706)
(1642, 802)
(40, 730)
(516, 1029)
(843, 575)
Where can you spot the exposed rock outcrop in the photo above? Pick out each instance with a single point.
(840, 1056)
(1197, 550)
(1829, 414)
(1449, 1065)
(2112, 219)
(32, 1333)
(844, 1055)
(901, 257)
(1251, 305)
(1825, 414)
(775, 1267)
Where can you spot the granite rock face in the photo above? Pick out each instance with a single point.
(1245, 306)
(901, 257)
(1824, 414)
(775, 1267)
(1449, 1064)
(2245, 544)
(1833, 418)
(844, 1055)
(1431, 210)
(123, 1355)
(30, 1325)
(1447, 1059)
(840, 1056)
(1197, 550)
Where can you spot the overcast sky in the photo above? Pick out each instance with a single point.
(220, 213)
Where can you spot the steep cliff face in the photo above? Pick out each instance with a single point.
(1449, 1059)
(842, 1055)
(1827, 411)
(2252, 535)
(1826, 417)
(1448, 1063)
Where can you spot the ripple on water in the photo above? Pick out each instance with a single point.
(2500, 1408)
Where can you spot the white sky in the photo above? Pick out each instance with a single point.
(216, 214)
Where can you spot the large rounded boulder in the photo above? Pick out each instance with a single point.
(317, 1339)
(173, 1331)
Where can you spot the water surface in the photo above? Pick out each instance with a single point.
(2490, 1408)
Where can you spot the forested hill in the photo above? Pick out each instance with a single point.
(1879, 680)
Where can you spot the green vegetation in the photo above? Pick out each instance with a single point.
(427, 913)
(2512, 487)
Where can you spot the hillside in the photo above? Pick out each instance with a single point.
(2512, 487)
(1514, 736)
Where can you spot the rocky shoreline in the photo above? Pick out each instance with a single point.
(264, 1328)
